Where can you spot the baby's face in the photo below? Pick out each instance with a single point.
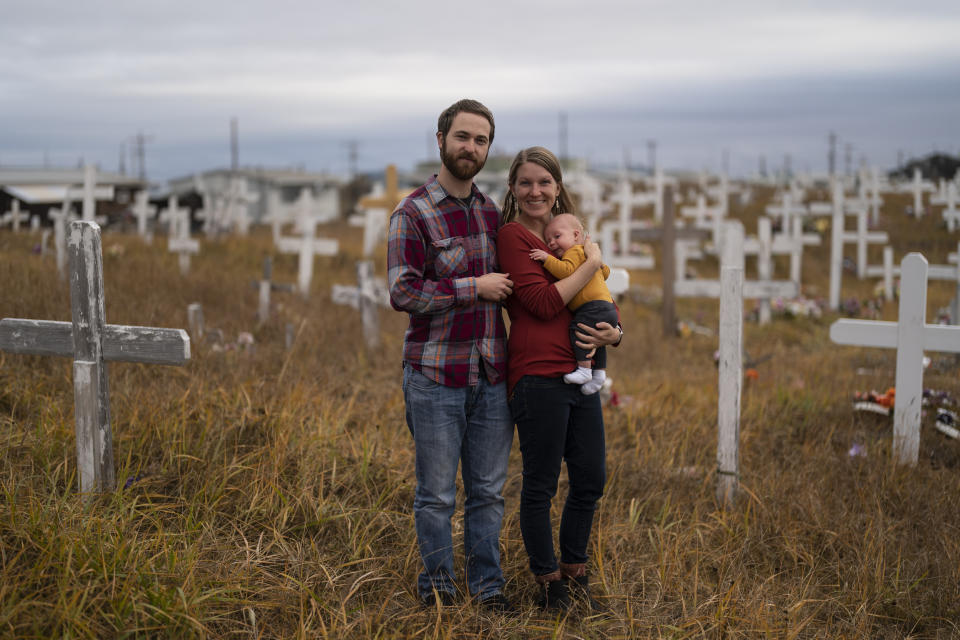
(560, 236)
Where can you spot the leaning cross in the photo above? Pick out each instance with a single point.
(910, 336)
(92, 343)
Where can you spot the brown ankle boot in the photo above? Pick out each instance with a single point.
(554, 594)
(579, 585)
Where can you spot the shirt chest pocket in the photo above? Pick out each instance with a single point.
(451, 256)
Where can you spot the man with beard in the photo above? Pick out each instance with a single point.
(441, 261)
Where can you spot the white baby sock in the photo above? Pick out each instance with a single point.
(581, 375)
(595, 383)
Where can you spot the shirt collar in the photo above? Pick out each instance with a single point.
(438, 193)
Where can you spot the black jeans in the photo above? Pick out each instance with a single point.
(556, 422)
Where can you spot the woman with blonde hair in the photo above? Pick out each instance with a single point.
(555, 421)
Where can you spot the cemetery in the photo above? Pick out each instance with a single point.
(261, 483)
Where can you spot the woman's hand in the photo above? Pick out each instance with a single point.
(603, 335)
(592, 252)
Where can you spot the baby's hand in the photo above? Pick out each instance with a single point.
(539, 255)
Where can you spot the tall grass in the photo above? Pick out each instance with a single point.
(270, 490)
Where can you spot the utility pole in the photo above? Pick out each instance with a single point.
(832, 154)
(352, 154)
(234, 146)
(652, 156)
(563, 136)
(140, 153)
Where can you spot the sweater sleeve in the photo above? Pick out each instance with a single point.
(531, 285)
(563, 267)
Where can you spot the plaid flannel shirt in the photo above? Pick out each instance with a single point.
(435, 251)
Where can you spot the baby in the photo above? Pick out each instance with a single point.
(592, 304)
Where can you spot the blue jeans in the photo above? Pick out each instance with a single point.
(555, 422)
(452, 425)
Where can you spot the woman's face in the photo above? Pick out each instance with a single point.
(535, 191)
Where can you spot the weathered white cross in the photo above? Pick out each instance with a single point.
(178, 238)
(92, 343)
(730, 383)
(910, 336)
(61, 217)
(950, 213)
(307, 246)
(369, 294)
(838, 237)
(732, 254)
(143, 211)
(918, 186)
(13, 216)
(265, 286)
(239, 199)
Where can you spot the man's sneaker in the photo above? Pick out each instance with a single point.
(497, 602)
(580, 590)
(447, 599)
(556, 596)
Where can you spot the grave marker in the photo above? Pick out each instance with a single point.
(730, 382)
(178, 239)
(143, 210)
(92, 343)
(265, 286)
(13, 216)
(307, 246)
(951, 215)
(910, 336)
(369, 294)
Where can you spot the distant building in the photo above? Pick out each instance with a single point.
(41, 188)
(259, 183)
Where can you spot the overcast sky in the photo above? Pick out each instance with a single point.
(745, 78)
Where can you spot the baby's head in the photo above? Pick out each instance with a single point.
(562, 232)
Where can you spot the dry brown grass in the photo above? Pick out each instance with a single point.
(276, 489)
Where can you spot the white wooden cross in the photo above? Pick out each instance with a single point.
(838, 237)
(762, 247)
(951, 215)
(910, 336)
(730, 383)
(178, 238)
(92, 343)
(787, 210)
(143, 211)
(61, 218)
(239, 199)
(887, 271)
(918, 186)
(212, 208)
(625, 200)
(732, 254)
(710, 218)
(307, 246)
(592, 205)
(265, 286)
(13, 216)
(369, 294)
